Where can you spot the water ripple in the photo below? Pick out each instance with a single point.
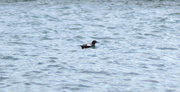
(3, 78)
(95, 72)
(9, 58)
(131, 74)
(74, 86)
(151, 81)
(166, 48)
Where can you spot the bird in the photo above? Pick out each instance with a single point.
(89, 44)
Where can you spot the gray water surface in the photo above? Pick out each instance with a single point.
(138, 49)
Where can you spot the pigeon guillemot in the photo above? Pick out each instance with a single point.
(89, 45)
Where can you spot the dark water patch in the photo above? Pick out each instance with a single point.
(156, 31)
(36, 83)
(65, 7)
(98, 19)
(164, 27)
(52, 61)
(21, 51)
(136, 29)
(131, 51)
(59, 72)
(105, 58)
(35, 16)
(1, 72)
(32, 55)
(17, 37)
(78, 37)
(92, 55)
(84, 80)
(40, 63)
(166, 48)
(59, 67)
(105, 41)
(75, 28)
(3, 78)
(174, 14)
(154, 58)
(53, 58)
(177, 21)
(18, 43)
(162, 19)
(83, 86)
(151, 81)
(131, 74)
(161, 69)
(46, 38)
(143, 66)
(27, 84)
(149, 34)
(51, 66)
(2, 85)
(71, 88)
(9, 65)
(140, 37)
(16, 82)
(9, 58)
(158, 65)
(70, 39)
(74, 87)
(50, 18)
(73, 51)
(111, 27)
(32, 74)
(45, 69)
(127, 79)
(95, 72)
(45, 31)
(171, 90)
(65, 14)
(32, 23)
(98, 25)
(14, 1)
(38, 72)
(116, 33)
(106, 38)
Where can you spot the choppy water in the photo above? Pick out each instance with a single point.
(138, 49)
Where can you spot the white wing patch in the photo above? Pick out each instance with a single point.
(89, 44)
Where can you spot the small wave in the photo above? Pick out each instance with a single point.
(174, 14)
(11, 1)
(18, 43)
(152, 81)
(166, 48)
(74, 87)
(9, 58)
(131, 74)
(3, 78)
(96, 72)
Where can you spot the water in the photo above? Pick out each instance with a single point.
(138, 49)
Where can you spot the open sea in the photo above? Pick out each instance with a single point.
(138, 49)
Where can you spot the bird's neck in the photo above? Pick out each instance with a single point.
(93, 44)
